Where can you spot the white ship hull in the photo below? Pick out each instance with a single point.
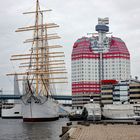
(34, 111)
(120, 112)
(14, 112)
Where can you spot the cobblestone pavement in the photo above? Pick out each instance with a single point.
(107, 132)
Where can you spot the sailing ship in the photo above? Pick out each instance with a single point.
(44, 67)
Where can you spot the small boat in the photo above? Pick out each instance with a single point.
(76, 115)
(13, 110)
(10, 110)
(92, 112)
(121, 111)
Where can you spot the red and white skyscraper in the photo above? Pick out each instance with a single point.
(97, 58)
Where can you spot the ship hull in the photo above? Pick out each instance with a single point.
(119, 112)
(14, 112)
(40, 119)
(33, 111)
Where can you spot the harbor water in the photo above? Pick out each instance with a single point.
(16, 129)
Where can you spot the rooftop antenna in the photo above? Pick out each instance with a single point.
(102, 29)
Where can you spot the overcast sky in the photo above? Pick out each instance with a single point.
(76, 18)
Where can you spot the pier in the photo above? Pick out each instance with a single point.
(102, 132)
(56, 97)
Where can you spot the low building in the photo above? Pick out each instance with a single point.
(107, 88)
(113, 92)
(121, 92)
(134, 91)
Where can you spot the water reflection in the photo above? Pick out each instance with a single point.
(17, 130)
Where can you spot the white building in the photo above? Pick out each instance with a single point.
(96, 58)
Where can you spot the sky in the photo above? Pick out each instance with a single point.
(76, 18)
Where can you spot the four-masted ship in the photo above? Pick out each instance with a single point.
(44, 67)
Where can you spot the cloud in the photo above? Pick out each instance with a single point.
(76, 19)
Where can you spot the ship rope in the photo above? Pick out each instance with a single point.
(30, 61)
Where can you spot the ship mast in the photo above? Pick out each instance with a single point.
(36, 24)
(42, 61)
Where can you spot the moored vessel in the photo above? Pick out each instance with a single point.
(44, 67)
(92, 111)
(121, 111)
(13, 109)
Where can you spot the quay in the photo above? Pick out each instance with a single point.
(102, 131)
(56, 97)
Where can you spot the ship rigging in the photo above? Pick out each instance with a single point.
(45, 67)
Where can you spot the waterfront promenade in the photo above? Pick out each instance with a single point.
(106, 132)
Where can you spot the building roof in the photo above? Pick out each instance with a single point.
(82, 49)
